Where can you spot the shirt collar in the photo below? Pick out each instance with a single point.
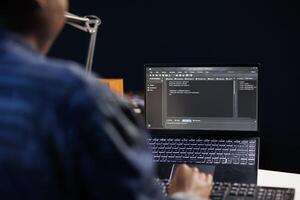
(13, 39)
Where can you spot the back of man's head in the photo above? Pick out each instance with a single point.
(19, 15)
(39, 20)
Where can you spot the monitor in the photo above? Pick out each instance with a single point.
(221, 98)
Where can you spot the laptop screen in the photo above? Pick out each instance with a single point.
(220, 98)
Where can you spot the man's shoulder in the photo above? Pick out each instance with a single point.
(73, 74)
(77, 81)
(62, 71)
(62, 74)
(59, 79)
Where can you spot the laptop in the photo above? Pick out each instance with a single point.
(205, 116)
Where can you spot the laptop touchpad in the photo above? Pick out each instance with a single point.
(166, 170)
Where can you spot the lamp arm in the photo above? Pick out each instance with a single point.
(89, 24)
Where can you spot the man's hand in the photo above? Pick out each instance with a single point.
(190, 180)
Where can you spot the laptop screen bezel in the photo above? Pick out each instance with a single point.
(206, 133)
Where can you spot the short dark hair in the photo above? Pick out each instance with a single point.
(19, 15)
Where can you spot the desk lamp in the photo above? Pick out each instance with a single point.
(89, 24)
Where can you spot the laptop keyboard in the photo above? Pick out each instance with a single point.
(239, 191)
(203, 151)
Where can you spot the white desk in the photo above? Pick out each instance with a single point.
(279, 179)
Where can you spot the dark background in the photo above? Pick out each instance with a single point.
(135, 32)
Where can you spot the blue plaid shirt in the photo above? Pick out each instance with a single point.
(65, 136)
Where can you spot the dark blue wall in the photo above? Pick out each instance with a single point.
(135, 32)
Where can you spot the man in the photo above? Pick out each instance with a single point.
(62, 134)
